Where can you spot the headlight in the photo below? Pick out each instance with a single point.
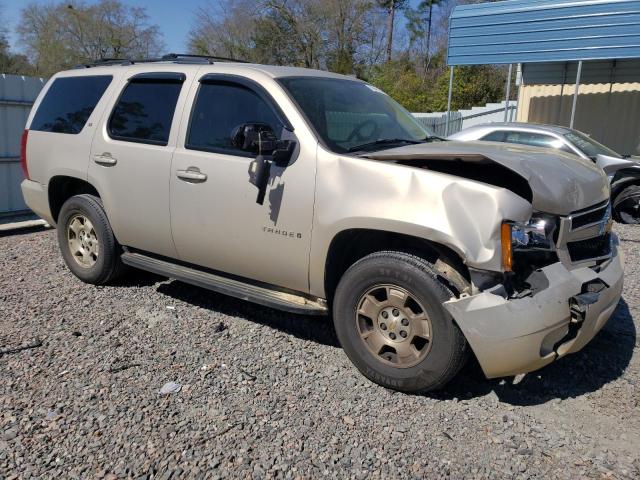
(536, 234)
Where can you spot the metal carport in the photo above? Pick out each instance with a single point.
(536, 31)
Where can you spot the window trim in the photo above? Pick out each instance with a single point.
(234, 81)
(110, 77)
(148, 78)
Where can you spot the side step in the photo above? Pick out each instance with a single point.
(227, 286)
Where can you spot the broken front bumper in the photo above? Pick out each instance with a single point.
(512, 336)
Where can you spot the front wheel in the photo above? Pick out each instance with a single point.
(86, 241)
(626, 206)
(390, 321)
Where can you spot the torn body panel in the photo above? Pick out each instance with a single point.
(559, 183)
(462, 214)
(513, 336)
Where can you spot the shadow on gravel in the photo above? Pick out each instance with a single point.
(602, 361)
(313, 328)
(137, 278)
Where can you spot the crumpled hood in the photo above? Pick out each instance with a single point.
(560, 182)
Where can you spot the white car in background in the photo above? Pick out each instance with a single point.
(623, 171)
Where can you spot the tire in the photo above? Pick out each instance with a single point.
(626, 205)
(354, 306)
(98, 263)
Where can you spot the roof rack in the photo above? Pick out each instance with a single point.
(209, 58)
(170, 57)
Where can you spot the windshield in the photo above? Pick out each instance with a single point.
(347, 114)
(589, 146)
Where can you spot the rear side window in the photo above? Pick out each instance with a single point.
(145, 111)
(218, 109)
(68, 104)
(497, 136)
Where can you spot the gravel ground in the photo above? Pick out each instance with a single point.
(269, 394)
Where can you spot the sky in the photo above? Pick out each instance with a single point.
(174, 17)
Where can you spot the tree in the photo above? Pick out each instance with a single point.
(10, 63)
(419, 26)
(61, 35)
(399, 80)
(391, 6)
(331, 34)
(472, 86)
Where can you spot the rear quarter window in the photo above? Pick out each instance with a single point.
(68, 104)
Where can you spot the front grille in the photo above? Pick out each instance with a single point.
(589, 217)
(590, 248)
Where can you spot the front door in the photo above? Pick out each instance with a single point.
(215, 219)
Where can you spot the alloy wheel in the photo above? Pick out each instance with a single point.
(83, 241)
(394, 325)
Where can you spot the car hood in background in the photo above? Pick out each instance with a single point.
(560, 183)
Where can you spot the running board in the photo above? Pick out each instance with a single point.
(227, 286)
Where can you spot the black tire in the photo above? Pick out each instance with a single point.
(626, 205)
(417, 276)
(108, 265)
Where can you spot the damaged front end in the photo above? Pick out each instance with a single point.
(553, 298)
(562, 273)
(513, 335)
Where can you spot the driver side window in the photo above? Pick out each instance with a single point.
(221, 107)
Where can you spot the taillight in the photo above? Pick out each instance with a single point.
(23, 154)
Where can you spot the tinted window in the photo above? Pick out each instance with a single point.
(347, 113)
(589, 146)
(219, 108)
(144, 112)
(536, 140)
(68, 104)
(497, 136)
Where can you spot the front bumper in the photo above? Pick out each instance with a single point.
(513, 336)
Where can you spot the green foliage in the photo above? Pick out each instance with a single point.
(472, 86)
(400, 80)
(10, 63)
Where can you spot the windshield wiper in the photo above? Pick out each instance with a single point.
(431, 138)
(382, 141)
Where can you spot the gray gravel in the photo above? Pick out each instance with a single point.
(267, 394)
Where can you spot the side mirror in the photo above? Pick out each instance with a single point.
(259, 138)
(255, 138)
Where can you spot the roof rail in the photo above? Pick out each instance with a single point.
(170, 57)
(210, 58)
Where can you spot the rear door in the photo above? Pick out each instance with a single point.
(131, 157)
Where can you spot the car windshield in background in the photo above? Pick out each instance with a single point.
(349, 115)
(589, 146)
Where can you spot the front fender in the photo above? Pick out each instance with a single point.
(464, 215)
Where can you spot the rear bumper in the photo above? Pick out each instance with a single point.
(513, 336)
(36, 197)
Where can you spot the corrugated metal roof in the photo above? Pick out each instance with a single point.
(523, 31)
(598, 71)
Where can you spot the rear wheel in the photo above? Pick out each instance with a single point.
(626, 206)
(86, 240)
(390, 321)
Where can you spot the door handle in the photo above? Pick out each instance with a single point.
(105, 159)
(192, 174)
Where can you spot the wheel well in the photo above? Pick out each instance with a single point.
(617, 190)
(350, 246)
(61, 188)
